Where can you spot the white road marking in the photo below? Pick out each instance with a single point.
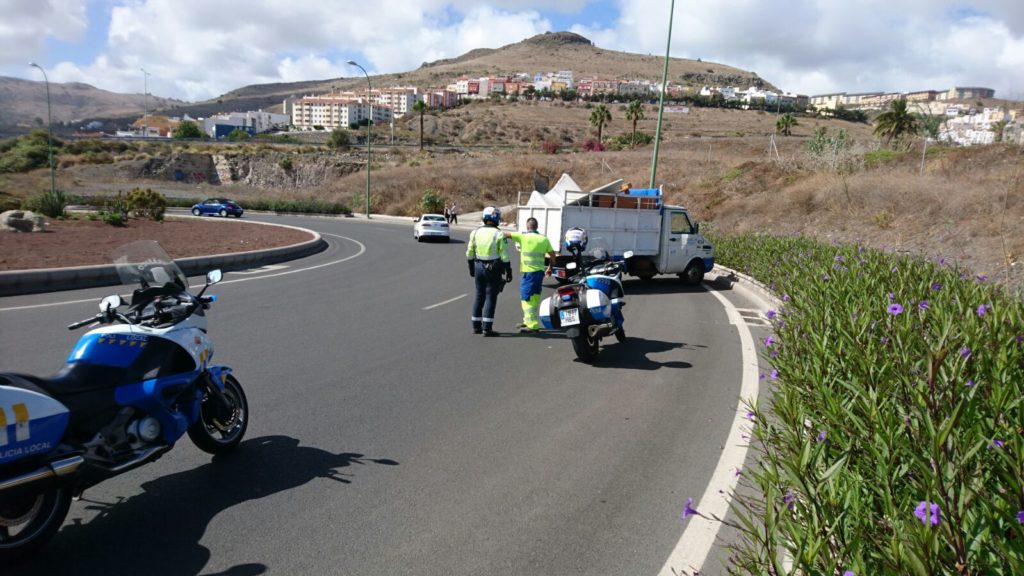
(261, 269)
(362, 249)
(448, 301)
(697, 540)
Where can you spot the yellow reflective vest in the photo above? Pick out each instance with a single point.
(487, 243)
(532, 248)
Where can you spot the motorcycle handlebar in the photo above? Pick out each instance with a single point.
(81, 323)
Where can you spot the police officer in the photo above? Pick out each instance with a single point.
(533, 247)
(487, 255)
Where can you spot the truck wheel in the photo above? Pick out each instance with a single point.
(694, 274)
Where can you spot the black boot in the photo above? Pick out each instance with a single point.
(487, 330)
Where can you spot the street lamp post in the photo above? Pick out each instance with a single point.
(661, 100)
(369, 124)
(49, 131)
(145, 101)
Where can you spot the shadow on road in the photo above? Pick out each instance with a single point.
(158, 531)
(632, 354)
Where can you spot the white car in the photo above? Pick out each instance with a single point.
(430, 226)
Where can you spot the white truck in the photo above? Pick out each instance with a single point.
(663, 238)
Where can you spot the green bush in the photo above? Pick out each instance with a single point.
(732, 174)
(147, 204)
(285, 163)
(114, 218)
(432, 202)
(881, 156)
(49, 203)
(892, 443)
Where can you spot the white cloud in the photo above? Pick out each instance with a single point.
(26, 24)
(197, 49)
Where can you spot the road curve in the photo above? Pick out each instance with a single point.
(387, 439)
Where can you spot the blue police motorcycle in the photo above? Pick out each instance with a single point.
(589, 307)
(131, 388)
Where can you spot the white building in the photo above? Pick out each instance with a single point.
(973, 128)
(256, 122)
(334, 111)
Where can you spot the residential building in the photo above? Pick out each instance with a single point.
(973, 128)
(967, 93)
(334, 111)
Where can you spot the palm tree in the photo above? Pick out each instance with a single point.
(421, 107)
(635, 113)
(785, 124)
(599, 117)
(896, 122)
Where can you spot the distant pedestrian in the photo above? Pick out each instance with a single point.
(454, 213)
(447, 214)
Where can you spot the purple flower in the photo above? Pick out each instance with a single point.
(927, 513)
(761, 377)
(981, 278)
(770, 314)
(750, 416)
(738, 472)
(1020, 516)
(922, 305)
(785, 297)
(788, 499)
(1019, 339)
(895, 270)
(839, 258)
(937, 286)
(774, 354)
(689, 510)
(982, 309)
(895, 309)
(849, 573)
(969, 383)
(775, 374)
(821, 436)
(892, 297)
(965, 352)
(996, 443)
(768, 341)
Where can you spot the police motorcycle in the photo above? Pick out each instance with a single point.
(589, 307)
(131, 388)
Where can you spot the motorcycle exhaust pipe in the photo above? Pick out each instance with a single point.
(55, 469)
(602, 330)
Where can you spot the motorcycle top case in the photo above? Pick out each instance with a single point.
(30, 423)
(545, 314)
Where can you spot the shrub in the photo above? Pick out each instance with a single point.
(114, 218)
(549, 147)
(732, 174)
(49, 203)
(892, 442)
(338, 139)
(432, 202)
(881, 156)
(285, 163)
(592, 145)
(147, 203)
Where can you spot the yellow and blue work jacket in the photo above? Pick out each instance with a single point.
(532, 247)
(487, 243)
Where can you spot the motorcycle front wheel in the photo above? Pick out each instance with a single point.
(220, 428)
(28, 520)
(585, 347)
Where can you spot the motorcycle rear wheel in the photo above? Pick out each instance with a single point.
(586, 347)
(218, 429)
(29, 520)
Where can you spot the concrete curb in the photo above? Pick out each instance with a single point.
(18, 282)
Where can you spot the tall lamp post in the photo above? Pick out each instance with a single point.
(49, 131)
(145, 101)
(369, 124)
(661, 100)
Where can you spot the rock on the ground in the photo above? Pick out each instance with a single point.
(21, 221)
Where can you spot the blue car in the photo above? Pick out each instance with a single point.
(220, 206)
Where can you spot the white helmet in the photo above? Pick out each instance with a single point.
(491, 214)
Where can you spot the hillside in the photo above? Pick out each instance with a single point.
(22, 101)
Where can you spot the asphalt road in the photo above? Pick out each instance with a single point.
(387, 439)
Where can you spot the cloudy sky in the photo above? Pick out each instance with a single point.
(198, 49)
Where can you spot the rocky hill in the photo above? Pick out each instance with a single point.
(22, 101)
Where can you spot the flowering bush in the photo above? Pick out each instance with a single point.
(894, 439)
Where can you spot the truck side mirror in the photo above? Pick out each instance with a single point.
(696, 228)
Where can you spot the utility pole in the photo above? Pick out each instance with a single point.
(49, 132)
(661, 100)
(145, 102)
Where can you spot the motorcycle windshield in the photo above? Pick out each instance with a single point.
(598, 249)
(145, 263)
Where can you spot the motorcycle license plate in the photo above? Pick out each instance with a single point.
(569, 316)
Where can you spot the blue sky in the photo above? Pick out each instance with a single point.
(198, 49)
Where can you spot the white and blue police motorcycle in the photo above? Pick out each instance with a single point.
(589, 307)
(130, 389)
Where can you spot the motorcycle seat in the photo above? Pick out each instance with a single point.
(72, 379)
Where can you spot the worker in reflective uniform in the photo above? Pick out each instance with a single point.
(533, 247)
(487, 255)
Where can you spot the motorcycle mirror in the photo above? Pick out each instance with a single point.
(214, 276)
(627, 254)
(109, 303)
(570, 266)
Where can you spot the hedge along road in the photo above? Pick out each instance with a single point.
(385, 438)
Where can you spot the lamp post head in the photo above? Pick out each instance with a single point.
(352, 63)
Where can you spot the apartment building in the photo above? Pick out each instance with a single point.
(967, 93)
(336, 110)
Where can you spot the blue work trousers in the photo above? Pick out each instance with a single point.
(488, 286)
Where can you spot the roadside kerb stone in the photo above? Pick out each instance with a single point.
(18, 282)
